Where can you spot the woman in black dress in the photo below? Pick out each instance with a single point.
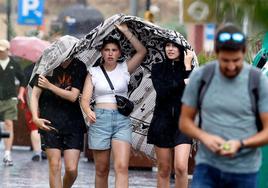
(171, 146)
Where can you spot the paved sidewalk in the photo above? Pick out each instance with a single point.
(28, 174)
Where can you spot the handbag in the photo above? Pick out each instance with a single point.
(124, 105)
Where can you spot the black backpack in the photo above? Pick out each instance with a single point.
(253, 86)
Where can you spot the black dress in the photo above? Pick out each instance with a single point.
(168, 81)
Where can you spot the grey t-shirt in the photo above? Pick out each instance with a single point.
(226, 111)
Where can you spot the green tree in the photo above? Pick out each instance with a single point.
(238, 11)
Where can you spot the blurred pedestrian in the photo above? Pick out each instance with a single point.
(110, 131)
(56, 112)
(228, 154)
(171, 145)
(9, 71)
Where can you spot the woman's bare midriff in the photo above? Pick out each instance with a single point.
(106, 105)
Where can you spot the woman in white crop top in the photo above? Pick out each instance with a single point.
(109, 130)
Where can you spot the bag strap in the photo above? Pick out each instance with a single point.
(206, 78)
(253, 86)
(107, 78)
(254, 78)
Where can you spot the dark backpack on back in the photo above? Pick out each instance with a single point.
(253, 86)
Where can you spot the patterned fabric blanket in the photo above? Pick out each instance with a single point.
(54, 55)
(141, 90)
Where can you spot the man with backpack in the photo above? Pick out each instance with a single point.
(232, 103)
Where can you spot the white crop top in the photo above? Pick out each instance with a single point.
(119, 77)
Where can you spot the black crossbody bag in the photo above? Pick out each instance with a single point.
(124, 105)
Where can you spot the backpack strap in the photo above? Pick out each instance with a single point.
(253, 86)
(207, 75)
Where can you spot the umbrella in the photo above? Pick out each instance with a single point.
(141, 90)
(79, 19)
(30, 48)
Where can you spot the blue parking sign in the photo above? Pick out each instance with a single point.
(30, 12)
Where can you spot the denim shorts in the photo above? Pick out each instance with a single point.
(206, 176)
(110, 125)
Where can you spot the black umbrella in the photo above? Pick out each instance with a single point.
(79, 19)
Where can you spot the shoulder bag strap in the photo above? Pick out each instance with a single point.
(107, 78)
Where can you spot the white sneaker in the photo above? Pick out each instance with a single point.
(8, 160)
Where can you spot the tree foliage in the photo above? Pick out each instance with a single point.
(237, 11)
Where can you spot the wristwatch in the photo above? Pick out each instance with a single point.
(242, 145)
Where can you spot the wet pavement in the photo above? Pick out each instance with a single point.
(28, 174)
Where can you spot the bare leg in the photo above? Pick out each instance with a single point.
(102, 164)
(8, 127)
(182, 153)
(71, 158)
(164, 158)
(121, 153)
(36, 141)
(54, 162)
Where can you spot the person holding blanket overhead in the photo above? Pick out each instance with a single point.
(56, 112)
(110, 131)
(169, 79)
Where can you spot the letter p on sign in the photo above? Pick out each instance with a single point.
(29, 5)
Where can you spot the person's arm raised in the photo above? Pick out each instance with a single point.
(141, 51)
(188, 57)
